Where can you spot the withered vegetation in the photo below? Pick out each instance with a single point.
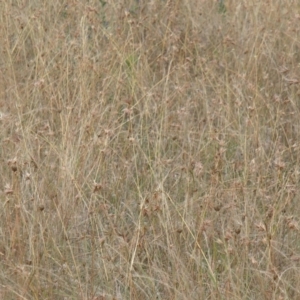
(149, 149)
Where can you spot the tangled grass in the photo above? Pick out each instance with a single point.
(149, 149)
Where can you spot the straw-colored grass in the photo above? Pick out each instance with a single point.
(149, 149)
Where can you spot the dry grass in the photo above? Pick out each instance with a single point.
(149, 150)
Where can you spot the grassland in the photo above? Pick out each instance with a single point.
(149, 150)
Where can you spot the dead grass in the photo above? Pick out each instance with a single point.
(149, 149)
